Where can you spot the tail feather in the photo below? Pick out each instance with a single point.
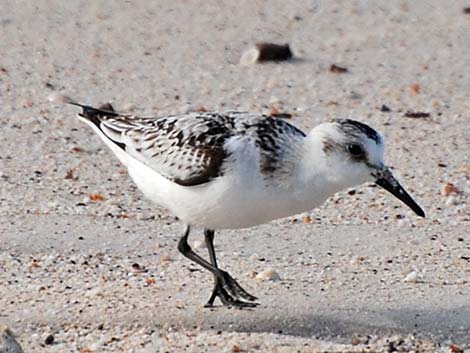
(90, 113)
(95, 116)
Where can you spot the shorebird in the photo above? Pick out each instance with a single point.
(237, 170)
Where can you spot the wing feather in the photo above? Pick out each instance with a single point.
(190, 149)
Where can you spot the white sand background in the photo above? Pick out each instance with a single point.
(66, 262)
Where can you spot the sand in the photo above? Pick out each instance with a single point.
(86, 259)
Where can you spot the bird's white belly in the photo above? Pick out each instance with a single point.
(231, 201)
(231, 206)
(222, 205)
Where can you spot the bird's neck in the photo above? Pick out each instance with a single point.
(317, 175)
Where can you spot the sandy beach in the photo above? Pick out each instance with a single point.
(86, 259)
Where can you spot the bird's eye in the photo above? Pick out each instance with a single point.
(355, 150)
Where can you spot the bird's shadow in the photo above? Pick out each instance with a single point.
(440, 324)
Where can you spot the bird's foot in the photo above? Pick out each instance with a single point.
(227, 300)
(230, 293)
(232, 286)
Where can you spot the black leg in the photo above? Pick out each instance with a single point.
(225, 285)
(186, 250)
(209, 239)
(219, 290)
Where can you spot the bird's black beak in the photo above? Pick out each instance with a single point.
(386, 180)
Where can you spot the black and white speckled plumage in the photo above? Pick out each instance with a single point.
(191, 149)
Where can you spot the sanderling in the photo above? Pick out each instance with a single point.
(237, 170)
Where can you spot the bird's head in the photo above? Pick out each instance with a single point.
(353, 154)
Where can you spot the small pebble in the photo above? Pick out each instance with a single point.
(448, 189)
(415, 88)
(266, 52)
(49, 340)
(411, 277)
(455, 349)
(416, 115)
(355, 341)
(385, 109)
(268, 275)
(338, 69)
(357, 260)
(165, 258)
